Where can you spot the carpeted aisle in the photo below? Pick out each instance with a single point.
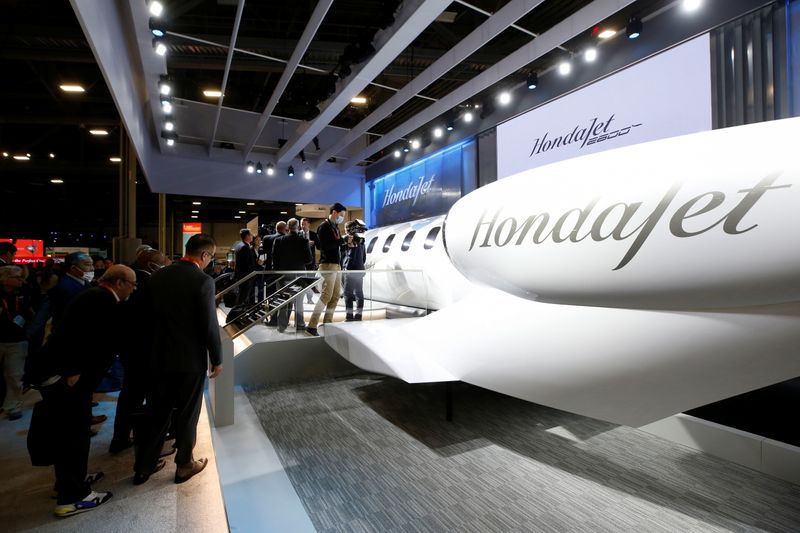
(367, 453)
(157, 506)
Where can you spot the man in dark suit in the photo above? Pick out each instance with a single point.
(269, 264)
(245, 264)
(291, 252)
(76, 357)
(78, 276)
(186, 338)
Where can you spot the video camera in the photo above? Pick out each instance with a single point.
(356, 228)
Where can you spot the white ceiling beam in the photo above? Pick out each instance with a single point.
(484, 33)
(234, 35)
(299, 51)
(562, 32)
(414, 17)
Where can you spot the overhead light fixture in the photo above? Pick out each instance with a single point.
(72, 88)
(99, 132)
(564, 68)
(242, 212)
(115, 159)
(284, 212)
(405, 149)
(590, 54)
(533, 81)
(307, 174)
(237, 216)
(316, 143)
(251, 167)
(303, 156)
(468, 117)
(438, 132)
(250, 203)
(197, 203)
(52, 155)
(634, 28)
(195, 212)
(57, 181)
(156, 8)
(166, 103)
(164, 85)
(155, 28)
(259, 168)
(415, 143)
(5, 154)
(270, 171)
(194, 216)
(22, 157)
(170, 136)
(691, 5)
(397, 154)
(291, 171)
(504, 98)
(169, 125)
(358, 100)
(607, 33)
(212, 93)
(159, 46)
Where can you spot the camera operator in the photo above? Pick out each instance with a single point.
(354, 257)
(330, 241)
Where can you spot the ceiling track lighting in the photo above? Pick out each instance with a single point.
(169, 124)
(160, 46)
(303, 156)
(291, 171)
(164, 85)
(259, 168)
(504, 98)
(634, 28)
(315, 140)
(451, 126)
(533, 81)
(169, 136)
(397, 154)
(156, 28)
(156, 8)
(307, 174)
(250, 167)
(468, 116)
(270, 170)
(166, 104)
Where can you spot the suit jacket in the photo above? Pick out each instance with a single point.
(268, 244)
(60, 295)
(291, 252)
(245, 260)
(185, 331)
(137, 321)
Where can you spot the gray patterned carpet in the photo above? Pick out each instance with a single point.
(368, 453)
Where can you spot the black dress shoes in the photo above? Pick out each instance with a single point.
(139, 478)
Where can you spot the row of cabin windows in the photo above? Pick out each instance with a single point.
(429, 240)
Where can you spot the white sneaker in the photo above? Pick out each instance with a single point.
(92, 501)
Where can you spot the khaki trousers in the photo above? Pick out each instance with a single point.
(329, 296)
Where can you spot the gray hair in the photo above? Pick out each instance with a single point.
(293, 223)
(9, 270)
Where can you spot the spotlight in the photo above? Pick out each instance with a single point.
(250, 167)
(170, 136)
(532, 81)
(590, 54)
(504, 98)
(259, 168)
(166, 104)
(634, 29)
(397, 154)
(316, 143)
(307, 174)
(607, 33)
(160, 46)
(691, 5)
(415, 143)
(468, 117)
(169, 125)
(564, 68)
(281, 142)
(52, 155)
(405, 149)
(270, 170)
(438, 132)
(156, 8)
(164, 85)
(291, 171)
(450, 126)
(155, 28)
(303, 156)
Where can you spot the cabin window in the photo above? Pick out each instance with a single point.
(407, 241)
(372, 244)
(388, 243)
(431, 238)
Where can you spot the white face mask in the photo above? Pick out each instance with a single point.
(339, 219)
(88, 276)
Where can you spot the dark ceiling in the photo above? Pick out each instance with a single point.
(42, 46)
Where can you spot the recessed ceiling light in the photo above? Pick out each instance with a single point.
(237, 216)
(72, 88)
(5, 154)
(195, 212)
(194, 216)
(358, 100)
(57, 181)
(607, 34)
(284, 212)
(197, 203)
(242, 212)
(98, 132)
(52, 155)
(251, 203)
(22, 157)
(212, 93)
(115, 159)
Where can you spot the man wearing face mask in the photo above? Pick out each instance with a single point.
(330, 242)
(135, 351)
(78, 276)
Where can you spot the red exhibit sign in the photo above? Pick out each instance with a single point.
(192, 227)
(28, 250)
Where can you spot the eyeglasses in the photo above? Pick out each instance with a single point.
(133, 283)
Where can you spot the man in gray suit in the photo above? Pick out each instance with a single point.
(185, 340)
